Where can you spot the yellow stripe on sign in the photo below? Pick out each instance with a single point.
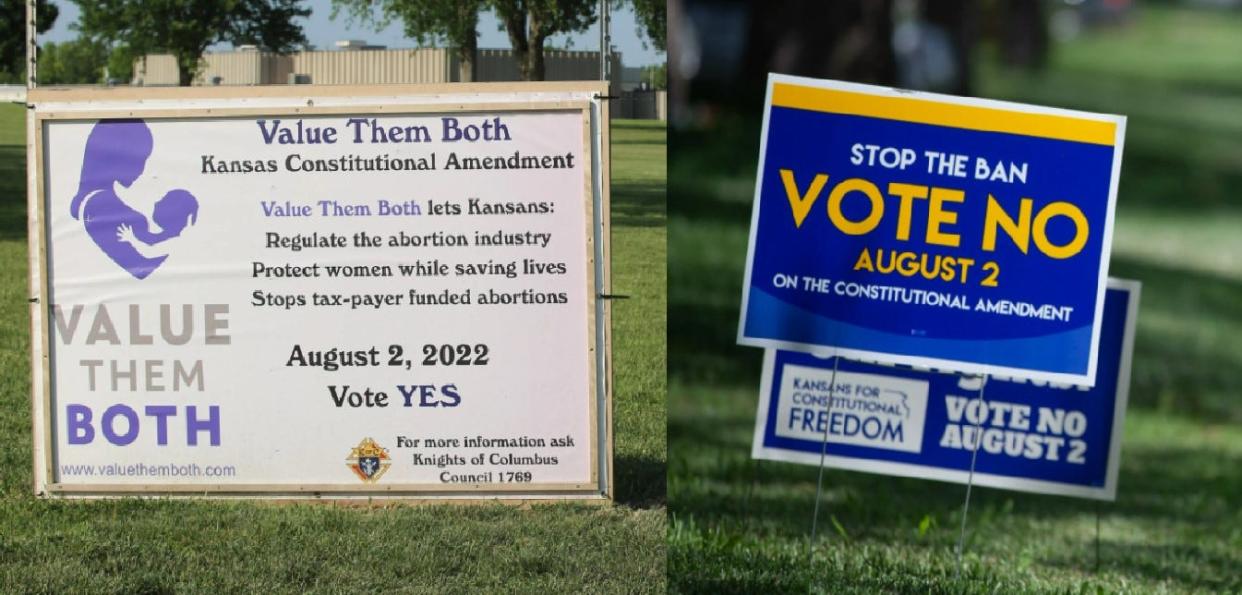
(922, 111)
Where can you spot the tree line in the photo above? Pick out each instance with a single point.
(112, 33)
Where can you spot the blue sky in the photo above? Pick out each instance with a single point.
(322, 32)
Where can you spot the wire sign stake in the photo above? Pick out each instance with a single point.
(823, 453)
(970, 480)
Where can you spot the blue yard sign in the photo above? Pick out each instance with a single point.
(922, 229)
(1033, 437)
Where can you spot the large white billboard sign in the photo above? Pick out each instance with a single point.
(307, 292)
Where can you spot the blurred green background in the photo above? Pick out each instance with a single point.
(739, 526)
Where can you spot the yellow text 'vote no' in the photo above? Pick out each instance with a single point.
(1026, 227)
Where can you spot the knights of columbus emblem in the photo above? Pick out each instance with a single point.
(369, 461)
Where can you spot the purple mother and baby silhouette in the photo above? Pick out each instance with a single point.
(116, 154)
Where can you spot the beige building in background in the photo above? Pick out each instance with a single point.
(248, 66)
(376, 66)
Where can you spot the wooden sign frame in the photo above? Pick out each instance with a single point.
(53, 104)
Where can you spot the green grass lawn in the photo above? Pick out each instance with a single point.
(740, 526)
(151, 546)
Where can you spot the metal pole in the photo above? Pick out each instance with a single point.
(970, 481)
(607, 53)
(32, 55)
(603, 39)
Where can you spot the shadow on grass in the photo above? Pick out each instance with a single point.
(706, 159)
(638, 204)
(697, 202)
(640, 481)
(12, 192)
(1182, 361)
(647, 140)
(702, 346)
